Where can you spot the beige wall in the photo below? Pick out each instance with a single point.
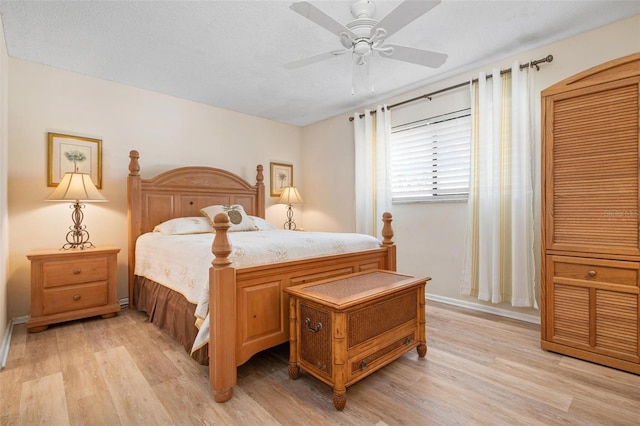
(171, 132)
(167, 131)
(431, 237)
(4, 220)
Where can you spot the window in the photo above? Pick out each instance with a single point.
(430, 159)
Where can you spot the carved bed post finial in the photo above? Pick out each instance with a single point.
(134, 167)
(387, 231)
(259, 175)
(221, 246)
(259, 201)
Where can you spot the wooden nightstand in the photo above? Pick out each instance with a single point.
(72, 284)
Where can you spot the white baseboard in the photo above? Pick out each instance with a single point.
(20, 320)
(484, 308)
(6, 341)
(124, 302)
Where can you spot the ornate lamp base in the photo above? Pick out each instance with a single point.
(78, 236)
(290, 224)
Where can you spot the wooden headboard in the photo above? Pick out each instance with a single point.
(182, 192)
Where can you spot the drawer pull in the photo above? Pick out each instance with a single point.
(77, 271)
(592, 274)
(76, 297)
(407, 341)
(313, 330)
(363, 364)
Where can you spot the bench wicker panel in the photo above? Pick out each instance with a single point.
(378, 318)
(315, 347)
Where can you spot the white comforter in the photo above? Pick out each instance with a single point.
(182, 262)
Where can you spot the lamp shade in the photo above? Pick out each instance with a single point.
(290, 195)
(76, 187)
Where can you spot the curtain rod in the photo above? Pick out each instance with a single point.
(532, 64)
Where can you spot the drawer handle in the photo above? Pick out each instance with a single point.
(363, 364)
(76, 297)
(592, 274)
(407, 341)
(313, 330)
(77, 271)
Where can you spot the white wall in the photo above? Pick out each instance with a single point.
(167, 131)
(431, 237)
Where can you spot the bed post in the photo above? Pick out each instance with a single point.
(222, 314)
(260, 201)
(134, 218)
(387, 241)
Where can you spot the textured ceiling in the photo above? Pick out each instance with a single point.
(230, 54)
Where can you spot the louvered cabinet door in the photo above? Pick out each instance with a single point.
(591, 169)
(594, 306)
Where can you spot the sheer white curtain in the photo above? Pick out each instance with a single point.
(499, 261)
(372, 169)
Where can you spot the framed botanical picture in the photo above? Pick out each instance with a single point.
(281, 176)
(69, 153)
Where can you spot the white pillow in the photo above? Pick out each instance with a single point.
(240, 221)
(184, 225)
(262, 224)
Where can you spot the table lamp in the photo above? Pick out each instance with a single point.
(79, 188)
(289, 196)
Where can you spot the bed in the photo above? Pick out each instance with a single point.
(248, 309)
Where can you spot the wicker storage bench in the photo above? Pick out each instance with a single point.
(342, 330)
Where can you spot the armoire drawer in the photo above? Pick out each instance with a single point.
(598, 271)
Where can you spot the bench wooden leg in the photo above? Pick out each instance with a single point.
(339, 398)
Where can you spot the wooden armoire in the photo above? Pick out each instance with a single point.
(590, 215)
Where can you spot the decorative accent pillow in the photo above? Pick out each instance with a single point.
(262, 224)
(184, 225)
(239, 219)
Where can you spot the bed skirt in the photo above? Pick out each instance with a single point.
(170, 311)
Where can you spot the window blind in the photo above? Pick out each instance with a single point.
(430, 159)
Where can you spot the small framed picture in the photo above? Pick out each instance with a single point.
(69, 153)
(281, 177)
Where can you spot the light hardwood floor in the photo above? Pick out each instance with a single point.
(479, 370)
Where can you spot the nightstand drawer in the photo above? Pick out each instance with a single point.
(65, 272)
(75, 297)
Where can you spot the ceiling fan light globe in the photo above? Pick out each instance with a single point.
(362, 48)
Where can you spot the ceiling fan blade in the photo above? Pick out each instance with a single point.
(314, 14)
(415, 56)
(406, 12)
(313, 59)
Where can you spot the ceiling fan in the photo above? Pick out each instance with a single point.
(364, 35)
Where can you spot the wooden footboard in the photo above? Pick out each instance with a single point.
(250, 309)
